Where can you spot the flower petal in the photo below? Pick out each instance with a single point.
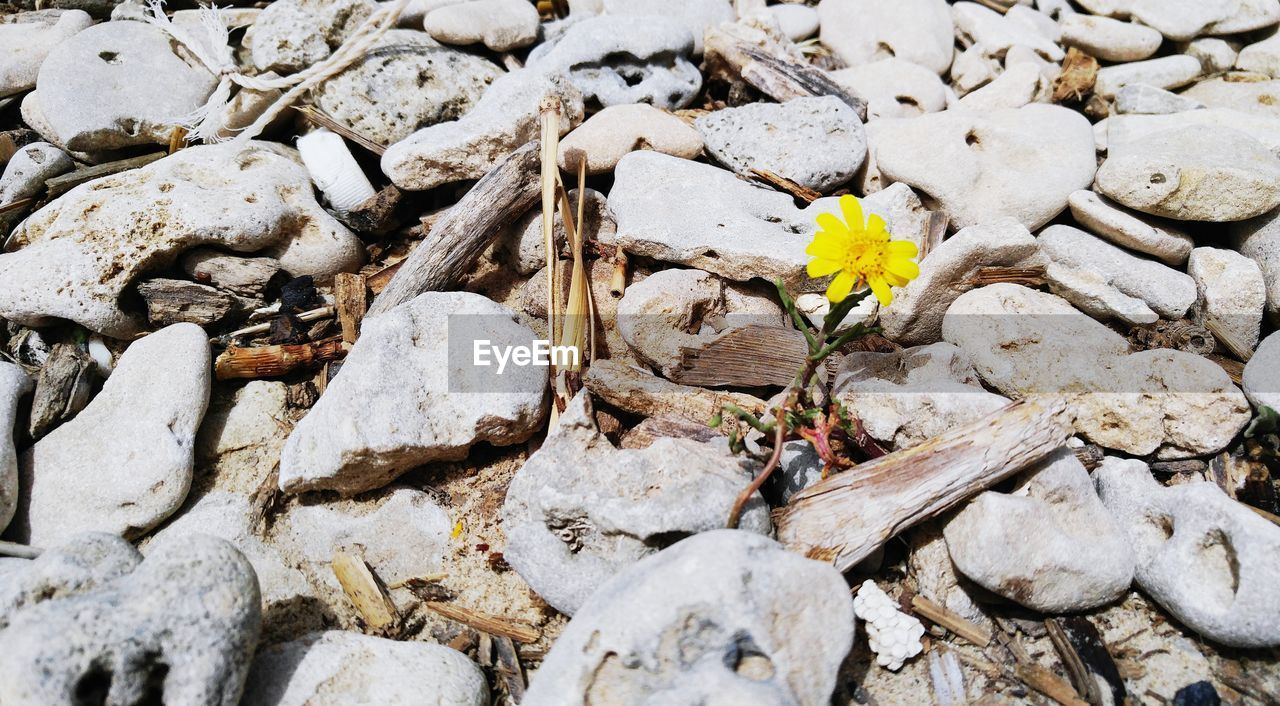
(902, 267)
(902, 248)
(881, 289)
(852, 209)
(831, 224)
(840, 287)
(821, 267)
(826, 245)
(876, 228)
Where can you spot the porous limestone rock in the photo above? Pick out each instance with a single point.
(290, 35)
(1106, 219)
(613, 132)
(1232, 295)
(28, 37)
(862, 31)
(13, 385)
(894, 88)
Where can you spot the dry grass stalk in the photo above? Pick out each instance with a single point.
(237, 363)
(1083, 682)
(935, 232)
(315, 116)
(17, 205)
(364, 591)
(379, 280)
(782, 183)
(1228, 339)
(550, 117)
(484, 622)
(352, 303)
(940, 615)
(846, 517)
(323, 312)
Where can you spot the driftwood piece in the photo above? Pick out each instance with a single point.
(484, 622)
(783, 79)
(940, 615)
(460, 236)
(377, 214)
(845, 518)
(751, 356)
(1025, 276)
(275, 361)
(645, 394)
(364, 591)
(244, 276)
(172, 301)
(351, 302)
(63, 388)
(63, 183)
(651, 429)
(782, 183)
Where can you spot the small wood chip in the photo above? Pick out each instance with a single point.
(803, 193)
(172, 301)
(368, 596)
(1079, 74)
(275, 361)
(352, 302)
(950, 620)
(750, 356)
(63, 183)
(1025, 276)
(484, 622)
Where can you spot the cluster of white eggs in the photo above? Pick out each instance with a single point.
(894, 636)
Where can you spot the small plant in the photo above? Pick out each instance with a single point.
(864, 260)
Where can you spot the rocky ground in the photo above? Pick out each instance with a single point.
(249, 457)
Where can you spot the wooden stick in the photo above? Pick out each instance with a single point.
(275, 361)
(352, 302)
(550, 118)
(845, 518)
(460, 236)
(17, 205)
(642, 393)
(368, 597)
(803, 193)
(323, 312)
(20, 551)
(950, 620)
(1081, 679)
(63, 183)
(1043, 680)
(318, 117)
(492, 624)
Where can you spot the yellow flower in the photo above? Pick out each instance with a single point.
(860, 252)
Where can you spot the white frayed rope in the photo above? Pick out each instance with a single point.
(208, 122)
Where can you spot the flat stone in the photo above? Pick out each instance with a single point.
(1048, 544)
(997, 33)
(1108, 39)
(1166, 291)
(1145, 234)
(13, 385)
(726, 614)
(84, 563)
(1165, 72)
(504, 118)
(676, 309)
(290, 35)
(893, 88)
(1259, 240)
(694, 214)
(403, 536)
(334, 667)
(29, 167)
(1205, 558)
(907, 397)
(115, 85)
(613, 132)
(979, 167)
(1181, 20)
(500, 25)
(1216, 55)
(617, 60)
(818, 143)
(1193, 174)
(1144, 99)
(1232, 294)
(1247, 16)
(1261, 57)
(916, 314)
(1261, 380)
(570, 529)
(81, 253)
(973, 68)
(124, 463)
(409, 82)
(696, 15)
(190, 612)
(28, 37)
(1019, 85)
(409, 394)
(862, 31)
(1123, 129)
(1255, 97)
(1025, 343)
(798, 22)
